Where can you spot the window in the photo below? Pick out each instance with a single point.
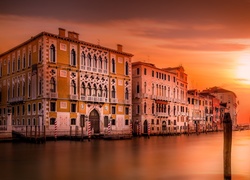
(53, 106)
(126, 110)
(18, 64)
(73, 57)
(39, 107)
(152, 121)
(40, 86)
(145, 71)
(82, 120)
(138, 88)
(29, 109)
(29, 122)
(126, 93)
(83, 61)
(145, 108)
(153, 108)
(13, 65)
(73, 87)
(126, 122)
(89, 60)
(100, 62)
(52, 121)
(113, 92)
(126, 68)
(113, 121)
(18, 110)
(73, 107)
(105, 64)
(95, 62)
(8, 67)
(113, 109)
(40, 54)
(138, 109)
(113, 65)
(153, 73)
(13, 110)
(106, 121)
(29, 88)
(52, 53)
(138, 71)
(73, 121)
(83, 90)
(24, 62)
(34, 108)
(29, 59)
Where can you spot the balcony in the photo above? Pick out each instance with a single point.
(73, 97)
(88, 68)
(100, 70)
(153, 96)
(145, 95)
(90, 98)
(16, 100)
(53, 95)
(161, 114)
(83, 98)
(137, 95)
(127, 101)
(94, 69)
(114, 100)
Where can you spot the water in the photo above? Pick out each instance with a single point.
(179, 157)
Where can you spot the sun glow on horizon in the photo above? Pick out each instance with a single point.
(243, 69)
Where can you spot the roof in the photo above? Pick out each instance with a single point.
(216, 90)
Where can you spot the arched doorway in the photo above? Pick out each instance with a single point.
(164, 126)
(145, 129)
(94, 121)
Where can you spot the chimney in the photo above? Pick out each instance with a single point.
(73, 35)
(119, 47)
(61, 32)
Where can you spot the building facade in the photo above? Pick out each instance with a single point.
(228, 98)
(61, 83)
(159, 99)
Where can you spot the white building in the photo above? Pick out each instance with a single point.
(159, 98)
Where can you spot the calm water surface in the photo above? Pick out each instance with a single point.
(181, 157)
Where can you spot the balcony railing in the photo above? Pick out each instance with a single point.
(73, 96)
(16, 99)
(53, 95)
(114, 100)
(127, 101)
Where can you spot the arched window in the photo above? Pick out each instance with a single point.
(40, 86)
(89, 89)
(126, 68)
(145, 108)
(52, 85)
(24, 88)
(89, 60)
(105, 64)
(83, 89)
(113, 65)
(29, 60)
(113, 92)
(145, 87)
(126, 93)
(138, 88)
(18, 63)
(95, 62)
(153, 108)
(40, 54)
(100, 91)
(24, 61)
(13, 90)
(18, 90)
(52, 53)
(100, 62)
(73, 87)
(73, 57)
(106, 92)
(83, 62)
(95, 90)
(29, 88)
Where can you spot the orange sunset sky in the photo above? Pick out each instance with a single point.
(210, 38)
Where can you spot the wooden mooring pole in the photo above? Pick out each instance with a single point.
(227, 122)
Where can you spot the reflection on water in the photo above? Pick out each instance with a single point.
(182, 157)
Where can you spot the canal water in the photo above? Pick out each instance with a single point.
(163, 157)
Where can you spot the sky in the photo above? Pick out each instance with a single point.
(209, 38)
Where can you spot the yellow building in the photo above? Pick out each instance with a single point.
(60, 82)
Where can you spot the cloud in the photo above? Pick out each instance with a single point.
(203, 46)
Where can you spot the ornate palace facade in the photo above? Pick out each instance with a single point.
(59, 81)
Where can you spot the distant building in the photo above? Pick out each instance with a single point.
(59, 81)
(204, 111)
(159, 99)
(228, 98)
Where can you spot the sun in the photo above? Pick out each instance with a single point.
(243, 69)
